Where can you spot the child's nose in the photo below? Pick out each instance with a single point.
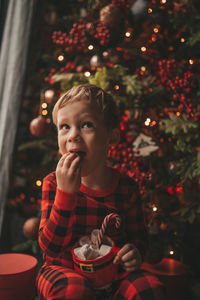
(73, 134)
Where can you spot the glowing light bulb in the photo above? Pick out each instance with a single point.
(171, 252)
(143, 49)
(127, 34)
(163, 1)
(38, 182)
(178, 113)
(182, 40)
(149, 10)
(155, 30)
(191, 61)
(44, 112)
(87, 74)
(154, 208)
(90, 47)
(48, 95)
(116, 87)
(143, 68)
(153, 123)
(60, 57)
(44, 105)
(147, 122)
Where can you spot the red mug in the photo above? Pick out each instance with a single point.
(100, 271)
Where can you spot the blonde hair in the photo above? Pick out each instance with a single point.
(94, 94)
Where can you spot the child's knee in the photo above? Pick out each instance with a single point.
(141, 286)
(60, 283)
(75, 288)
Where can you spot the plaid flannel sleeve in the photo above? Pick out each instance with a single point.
(57, 213)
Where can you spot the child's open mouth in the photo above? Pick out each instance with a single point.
(79, 153)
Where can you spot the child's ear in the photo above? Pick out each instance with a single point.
(114, 137)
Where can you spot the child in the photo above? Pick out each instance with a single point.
(81, 192)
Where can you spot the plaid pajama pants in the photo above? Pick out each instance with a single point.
(59, 283)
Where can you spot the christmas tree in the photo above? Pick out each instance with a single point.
(146, 54)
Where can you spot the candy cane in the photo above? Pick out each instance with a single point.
(104, 225)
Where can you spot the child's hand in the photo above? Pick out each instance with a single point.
(130, 258)
(68, 173)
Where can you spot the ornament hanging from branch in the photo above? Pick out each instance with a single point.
(40, 127)
(136, 110)
(110, 16)
(96, 61)
(144, 145)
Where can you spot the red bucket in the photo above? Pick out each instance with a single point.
(17, 276)
(100, 271)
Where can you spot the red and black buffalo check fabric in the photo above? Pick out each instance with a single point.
(66, 217)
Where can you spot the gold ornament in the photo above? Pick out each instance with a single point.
(110, 16)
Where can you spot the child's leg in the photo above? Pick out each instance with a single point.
(140, 286)
(56, 282)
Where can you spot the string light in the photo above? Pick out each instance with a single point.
(191, 61)
(143, 68)
(44, 105)
(116, 87)
(60, 57)
(163, 1)
(38, 182)
(153, 123)
(49, 94)
(105, 54)
(182, 40)
(149, 10)
(90, 47)
(87, 74)
(178, 113)
(147, 122)
(156, 29)
(44, 112)
(127, 34)
(154, 208)
(143, 49)
(171, 252)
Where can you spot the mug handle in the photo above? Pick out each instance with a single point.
(122, 274)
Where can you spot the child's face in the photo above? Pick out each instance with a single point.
(81, 129)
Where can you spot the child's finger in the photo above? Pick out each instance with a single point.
(75, 164)
(68, 160)
(129, 256)
(122, 252)
(130, 263)
(61, 160)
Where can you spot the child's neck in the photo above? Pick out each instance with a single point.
(98, 181)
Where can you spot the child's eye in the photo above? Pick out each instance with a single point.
(87, 125)
(64, 126)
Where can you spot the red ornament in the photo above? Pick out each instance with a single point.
(31, 227)
(39, 127)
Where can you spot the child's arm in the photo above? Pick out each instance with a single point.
(58, 206)
(57, 215)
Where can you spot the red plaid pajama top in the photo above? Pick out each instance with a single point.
(66, 217)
